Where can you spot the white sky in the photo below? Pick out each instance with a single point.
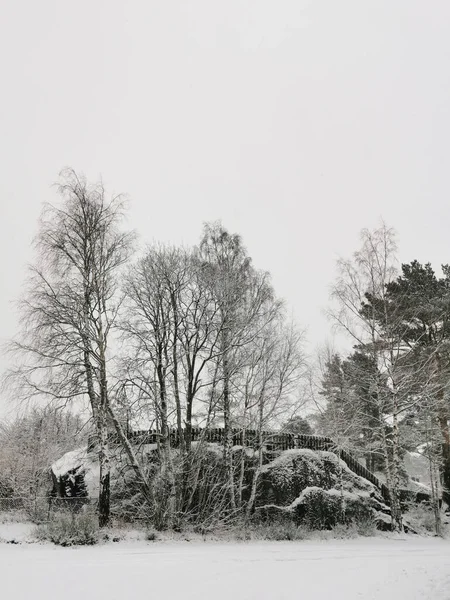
(296, 122)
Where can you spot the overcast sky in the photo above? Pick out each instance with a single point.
(295, 122)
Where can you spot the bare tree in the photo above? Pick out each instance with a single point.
(71, 305)
(271, 383)
(365, 313)
(150, 328)
(173, 326)
(243, 296)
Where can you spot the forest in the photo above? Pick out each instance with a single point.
(180, 375)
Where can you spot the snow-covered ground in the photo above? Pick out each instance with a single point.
(397, 569)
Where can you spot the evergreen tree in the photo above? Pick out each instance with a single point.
(421, 301)
(298, 425)
(354, 412)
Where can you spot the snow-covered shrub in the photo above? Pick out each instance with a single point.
(271, 513)
(317, 490)
(366, 526)
(324, 509)
(421, 517)
(283, 532)
(151, 535)
(283, 480)
(276, 530)
(70, 529)
(289, 530)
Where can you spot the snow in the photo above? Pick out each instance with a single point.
(249, 452)
(349, 496)
(417, 466)
(389, 419)
(211, 446)
(422, 448)
(417, 487)
(149, 448)
(69, 461)
(76, 459)
(383, 517)
(319, 463)
(373, 569)
(16, 532)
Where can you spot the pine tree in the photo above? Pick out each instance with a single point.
(421, 301)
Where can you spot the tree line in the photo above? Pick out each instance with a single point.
(174, 338)
(179, 337)
(390, 394)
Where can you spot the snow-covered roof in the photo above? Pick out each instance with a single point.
(79, 459)
(69, 461)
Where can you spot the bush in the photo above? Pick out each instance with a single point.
(284, 532)
(275, 531)
(284, 479)
(270, 513)
(317, 508)
(68, 529)
(290, 531)
(151, 535)
(366, 526)
(421, 517)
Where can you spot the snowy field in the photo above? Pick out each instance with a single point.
(397, 569)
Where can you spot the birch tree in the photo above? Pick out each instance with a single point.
(243, 296)
(150, 330)
(273, 372)
(70, 308)
(364, 312)
(173, 325)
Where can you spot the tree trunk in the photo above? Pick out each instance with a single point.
(242, 466)
(396, 511)
(102, 435)
(257, 472)
(228, 433)
(188, 422)
(167, 474)
(393, 496)
(443, 424)
(434, 481)
(188, 466)
(105, 465)
(443, 419)
(254, 489)
(176, 387)
(104, 497)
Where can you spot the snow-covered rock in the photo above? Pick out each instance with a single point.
(318, 489)
(323, 509)
(284, 479)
